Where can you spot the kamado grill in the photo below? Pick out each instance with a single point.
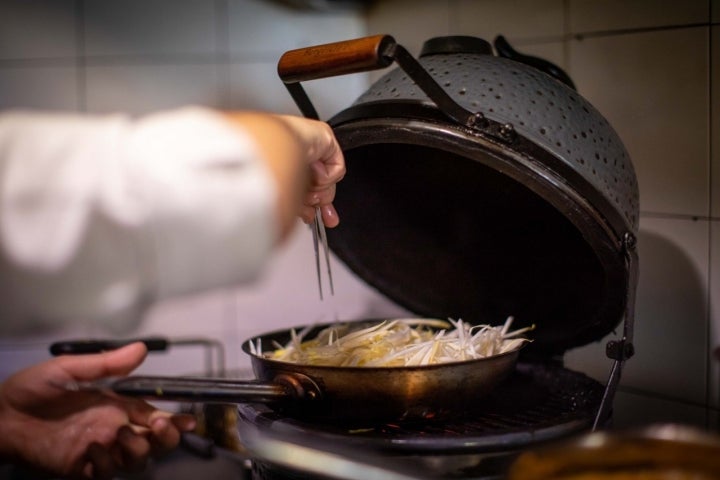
(478, 186)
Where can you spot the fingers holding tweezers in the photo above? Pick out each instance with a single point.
(320, 238)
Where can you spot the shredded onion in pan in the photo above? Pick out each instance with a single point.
(397, 343)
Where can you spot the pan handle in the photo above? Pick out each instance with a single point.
(284, 386)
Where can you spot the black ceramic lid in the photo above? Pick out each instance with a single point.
(445, 236)
(453, 221)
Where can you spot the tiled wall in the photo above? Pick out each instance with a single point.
(651, 67)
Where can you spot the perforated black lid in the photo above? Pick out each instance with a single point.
(528, 217)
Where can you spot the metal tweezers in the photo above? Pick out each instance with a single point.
(319, 236)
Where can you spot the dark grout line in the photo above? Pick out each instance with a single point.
(80, 73)
(220, 58)
(627, 31)
(39, 62)
(678, 216)
(666, 398)
(222, 53)
(151, 59)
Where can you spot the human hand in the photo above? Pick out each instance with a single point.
(304, 159)
(327, 167)
(83, 434)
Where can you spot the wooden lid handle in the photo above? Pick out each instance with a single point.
(339, 58)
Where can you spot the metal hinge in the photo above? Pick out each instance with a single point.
(619, 349)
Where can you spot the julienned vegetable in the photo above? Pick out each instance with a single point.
(398, 343)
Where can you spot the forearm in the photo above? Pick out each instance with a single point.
(286, 158)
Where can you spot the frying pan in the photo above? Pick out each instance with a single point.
(346, 394)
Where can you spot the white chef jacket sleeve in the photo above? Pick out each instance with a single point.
(101, 215)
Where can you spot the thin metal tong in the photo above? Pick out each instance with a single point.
(319, 236)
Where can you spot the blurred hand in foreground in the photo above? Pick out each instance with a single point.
(83, 434)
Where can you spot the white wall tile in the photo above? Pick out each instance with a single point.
(331, 95)
(260, 30)
(193, 318)
(516, 20)
(256, 86)
(177, 360)
(145, 88)
(37, 29)
(528, 25)
(134, 27)
(49, 88)
(237, 362)
(264, 30)
(410, 22)
(660, 109)
(594, 15)
(670, 314)
(551, 51)
(200, 315)
(671, 321)
(632, 410)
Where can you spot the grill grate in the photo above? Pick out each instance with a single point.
(538, 403)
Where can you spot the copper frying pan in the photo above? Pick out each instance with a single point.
(332, 393)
